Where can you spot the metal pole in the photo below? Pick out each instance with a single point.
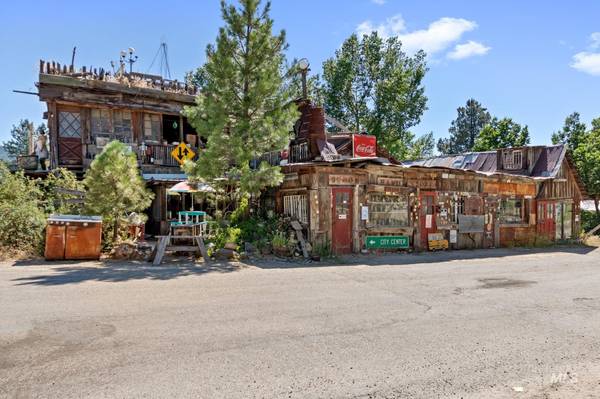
(304, 89)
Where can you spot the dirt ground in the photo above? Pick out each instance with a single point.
(504, 323)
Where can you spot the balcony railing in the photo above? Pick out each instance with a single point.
(160, 154)
(299, 153)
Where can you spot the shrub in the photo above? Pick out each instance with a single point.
(589, 220)
(22, 218)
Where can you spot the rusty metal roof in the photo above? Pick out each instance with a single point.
(547, 164)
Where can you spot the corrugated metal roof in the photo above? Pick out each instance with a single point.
(546, 166)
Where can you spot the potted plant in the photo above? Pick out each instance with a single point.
(280, 244)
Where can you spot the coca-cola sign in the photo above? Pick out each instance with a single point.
(364, 146)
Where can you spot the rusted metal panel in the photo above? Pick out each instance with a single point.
(73, 237)
(55, 242)
(83, 242)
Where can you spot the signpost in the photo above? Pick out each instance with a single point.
(182, 153)
(387, 242)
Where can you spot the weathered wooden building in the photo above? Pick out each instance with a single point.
(350, 199)
(87, 108)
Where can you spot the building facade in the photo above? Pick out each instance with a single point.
(517, 196)
(86, 109)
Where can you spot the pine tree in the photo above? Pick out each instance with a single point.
(114, 186)
(465, 128)
(243, 108)
(19, 141)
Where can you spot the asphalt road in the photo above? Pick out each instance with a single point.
(483, 324)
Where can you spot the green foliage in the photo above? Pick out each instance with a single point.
(589, 220)
(58, 202)
(243, 109)
(372, 85)
(18, 143)
(587, 159)
(572, 133)
(501, 133)
(115, 187)
(22, 219)
(323, 249)
(465, 129)
(313, 85)
(224, 234)
(280, 240)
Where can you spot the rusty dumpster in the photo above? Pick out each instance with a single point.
(73, 237)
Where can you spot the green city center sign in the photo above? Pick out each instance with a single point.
(387, 242)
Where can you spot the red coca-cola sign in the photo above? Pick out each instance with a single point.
(364, 146)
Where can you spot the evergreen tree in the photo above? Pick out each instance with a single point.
(465, 128)
(372, 85)
(243, 108)
(115, 186)
(18, 143)
(572, 133)
(501, 133)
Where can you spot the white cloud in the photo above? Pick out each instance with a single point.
(438, 36)
(379, 2)
(587, 62)
(468, 49)
(595, 38)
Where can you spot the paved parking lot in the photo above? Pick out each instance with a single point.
(488, 324)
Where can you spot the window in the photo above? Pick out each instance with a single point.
(457, 208)
(295, 207)
(122, 125)
(513, 159)
(387, 210)
(101, 121)
(69, 124)
(152, 127)
(511, 210)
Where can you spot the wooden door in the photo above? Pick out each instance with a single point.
(70, 148)
(545, 219)
(489, 229)
(428, 213)
(558, 221)
(341, 220)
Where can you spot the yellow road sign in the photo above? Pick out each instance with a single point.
(182, 153)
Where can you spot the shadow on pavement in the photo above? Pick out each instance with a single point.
(72, 272)
(412, 258)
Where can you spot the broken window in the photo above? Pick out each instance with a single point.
(295, 206)
(513, 159)
(387, 210)
(152, 127)
(122, 125)
(101, 122)
(512, 210)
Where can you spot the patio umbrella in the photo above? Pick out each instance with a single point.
(188, 187)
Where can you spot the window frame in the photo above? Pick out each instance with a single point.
(378, 206)
(511, 219)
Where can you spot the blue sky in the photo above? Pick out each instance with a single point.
(534, 61)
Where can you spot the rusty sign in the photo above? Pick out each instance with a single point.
(342, 180)
(425, 183)
(390, 181)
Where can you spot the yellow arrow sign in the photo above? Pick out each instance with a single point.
(182, 153)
